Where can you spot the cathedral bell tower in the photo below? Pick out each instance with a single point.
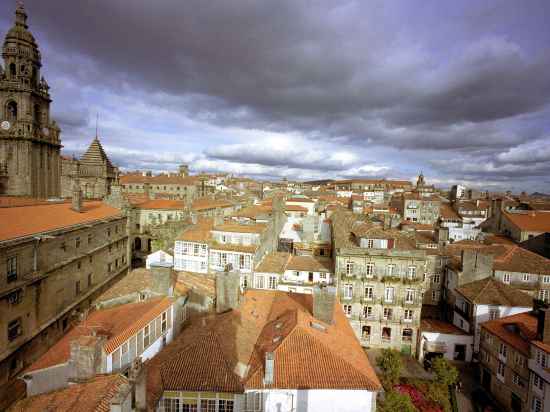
(29, 141)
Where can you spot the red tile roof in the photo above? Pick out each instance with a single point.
(526, 322)
(205, 203)
(93, 396)
(236, 228)
(21, 221)
(166, 204)
(310, 264)
(530, 221)
(236, 341)
(295, 208)
(118, 324)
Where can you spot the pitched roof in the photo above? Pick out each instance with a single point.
(236, 228)
(205, 203)
(516, 330)
(518, 259)
(118, 324)
(440, 326)
(21, 221)
(490, 291)
(530, 221)
(310, 264)
(199, 232)
(93, 396)
(253, 212)
(295, 208)
(137, 280)
(166, 204)
(448, 213)
(236, 341)
(172, 179)
(95, 155)
(274, 262)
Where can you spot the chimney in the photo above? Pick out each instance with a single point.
(324, 298)
(269, 375)
(228, 290)
(476, 265)
(85, 358)
(162, 275)
(442, 235)
(137, 375)
(147, 190)
(184, 170)
(76, 192)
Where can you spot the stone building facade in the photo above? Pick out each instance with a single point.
(56, 257)
(95, 172)
(381, 280)
(29, 140)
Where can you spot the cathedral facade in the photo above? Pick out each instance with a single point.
(29, 141)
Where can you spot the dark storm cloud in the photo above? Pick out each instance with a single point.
(463, 79)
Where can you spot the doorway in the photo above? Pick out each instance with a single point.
(460, 353)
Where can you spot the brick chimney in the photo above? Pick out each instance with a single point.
(476, 265)
(137, 375)
(543, 323)
(324, 298)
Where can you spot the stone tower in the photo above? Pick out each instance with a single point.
(29, 141)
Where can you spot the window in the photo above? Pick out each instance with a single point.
(538, 382)
(408, 315)
(407, 335)
(506, 278)
(435, 295)
(322, 275)
(272, 282)
(90, 238)
(367, 312)
(196, 249)
(388, 294)
(90, 279)
(349, 268)
(546, 279)
(493, 313)
(436, 278)
(520, 360)
(77, 287)
(15, 329)
(518, 381)
(171, 405)
(526, 277)
(146, 336)
(347, 310)
(11, 268)
(409, 296)
(500, 370)
(259, 282)
(79, 265)
(370, 243)
(390, 270)
(109, 267)
(241, 262)
(124, 354)
(541, 358)
(348, 291)
(369, 292)
(225, 406)
(12, 109)
(164, 322)
(208, 405)
(365, 332)
(544, 295)
(77, 242)
(386, 334)
(411, 272)
(369, 269)
(387, 313)
(63, 246)
(536, 405)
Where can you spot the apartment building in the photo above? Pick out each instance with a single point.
(57, 257)
(515, 355)
(170, 186)
(420, 208)
(381, 280)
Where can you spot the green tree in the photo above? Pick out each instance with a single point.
(394, 401)
(446, 373)
(390, 364)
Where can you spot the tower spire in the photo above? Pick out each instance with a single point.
(96, 124)
(20, 14)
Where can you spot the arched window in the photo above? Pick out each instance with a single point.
(137, 243)
(11, 110)
(13, 70)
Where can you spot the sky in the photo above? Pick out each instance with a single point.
(307, 90)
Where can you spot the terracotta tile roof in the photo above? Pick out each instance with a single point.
(518, 259)
(205, 203)
(295, 208)
(274, 262)
(446, 212)
(299, 200)
(24, 221)
(233, 248)
(162, 204)
(310, 264)
(236, 228)
(136, 281)
(402, 240)
(530, 221)
(11, 201)
(118, 324)
(490, 291)
(440, 326)
(236, 341)
(525, 322)
(92, 396)
(253, 212)
(199, 232)
(198, 282)
(159, 179)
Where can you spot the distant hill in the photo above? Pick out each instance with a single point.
(318, 182)
(537, 194)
